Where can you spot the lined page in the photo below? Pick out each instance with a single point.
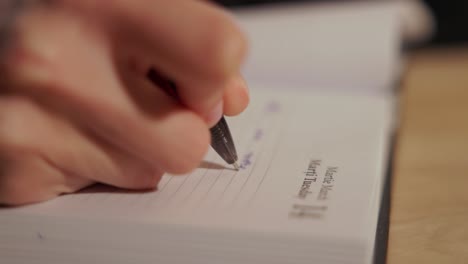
(307, 163)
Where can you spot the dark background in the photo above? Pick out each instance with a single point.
(451, 18)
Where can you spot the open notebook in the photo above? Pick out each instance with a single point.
(314, 148)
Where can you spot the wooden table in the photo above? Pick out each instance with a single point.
(429, 212)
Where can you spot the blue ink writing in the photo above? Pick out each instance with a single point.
(273, 107)
(246, 160)
(258, 134)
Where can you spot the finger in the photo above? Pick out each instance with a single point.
(28, 130)
(192, 42)
(30, 179)
(79, 78)
(180, 137)
(236, 96)
(125, 171)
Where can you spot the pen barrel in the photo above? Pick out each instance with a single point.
(222, 143)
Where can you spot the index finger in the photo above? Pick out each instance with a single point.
(194, 43)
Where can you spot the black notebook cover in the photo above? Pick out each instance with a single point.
(383, 224)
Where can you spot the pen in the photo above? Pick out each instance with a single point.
(221, 138)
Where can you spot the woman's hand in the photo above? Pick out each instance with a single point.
(76, 107)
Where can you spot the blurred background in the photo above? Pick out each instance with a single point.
(450, 17)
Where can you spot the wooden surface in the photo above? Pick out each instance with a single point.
(429, 213)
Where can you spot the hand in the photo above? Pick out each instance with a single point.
(76, 108)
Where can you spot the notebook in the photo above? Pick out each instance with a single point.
(314, 148)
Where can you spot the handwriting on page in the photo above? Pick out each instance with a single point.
(270, 109)
(300, 172)
(216, 185)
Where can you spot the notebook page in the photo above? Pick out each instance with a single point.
(307, 163)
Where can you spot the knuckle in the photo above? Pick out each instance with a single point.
(26, 71)
(30, 59)
(42, 46)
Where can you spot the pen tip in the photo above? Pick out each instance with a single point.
(236, 166)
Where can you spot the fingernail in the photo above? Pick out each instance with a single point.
(215, 115)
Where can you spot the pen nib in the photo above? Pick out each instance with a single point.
(236, 166)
